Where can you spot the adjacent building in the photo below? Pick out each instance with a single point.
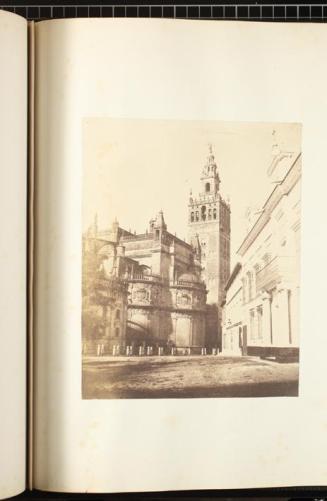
(232, 314)
(266, 283)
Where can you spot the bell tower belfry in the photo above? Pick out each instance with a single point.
(210, 177)
(209, 226)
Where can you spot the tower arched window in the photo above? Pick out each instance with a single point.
(215, 213)
(117, 314)
(117, 331)
(203, 213)
(207, 187)
(192, 217)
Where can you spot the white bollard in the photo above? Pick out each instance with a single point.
(148, 350)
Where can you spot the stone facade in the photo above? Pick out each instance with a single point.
(104, 299)
(161, 296)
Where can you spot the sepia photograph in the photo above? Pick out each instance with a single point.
(190, 259)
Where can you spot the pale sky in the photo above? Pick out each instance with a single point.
(134, 168)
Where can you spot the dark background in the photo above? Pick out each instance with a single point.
(294, 494)
(290, 11)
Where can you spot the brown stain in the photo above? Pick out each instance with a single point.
(171, 422)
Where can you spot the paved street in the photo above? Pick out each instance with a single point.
(188, 377)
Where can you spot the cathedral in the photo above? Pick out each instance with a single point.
(154, 291)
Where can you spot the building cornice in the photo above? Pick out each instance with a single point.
(233, 275)
(282, 188)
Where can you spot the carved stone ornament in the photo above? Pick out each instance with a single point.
(140, 296)
(183, 298)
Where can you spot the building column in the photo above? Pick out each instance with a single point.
(283, 327)
(108, 327)
(267, 319)
(295, 315)
(173, 336)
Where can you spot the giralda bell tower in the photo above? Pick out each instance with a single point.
(209, 233)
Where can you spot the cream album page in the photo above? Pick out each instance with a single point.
(13, 216)
(180, 241)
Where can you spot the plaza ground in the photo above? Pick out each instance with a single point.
(187, 377)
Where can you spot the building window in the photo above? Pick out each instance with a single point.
(243, 290)
(214, 213)
(207, 187)
(252, 326)
(259, 321)
(203, 213)
(117, 314)
(192, 217)
(266, 259)
(197, 216)
(256, 271)
(117, 331)
(250, 285)
(209, 214)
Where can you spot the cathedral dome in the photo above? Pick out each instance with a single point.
(189, 277)
(146, 270)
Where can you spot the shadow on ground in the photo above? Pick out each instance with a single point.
(191, 377)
